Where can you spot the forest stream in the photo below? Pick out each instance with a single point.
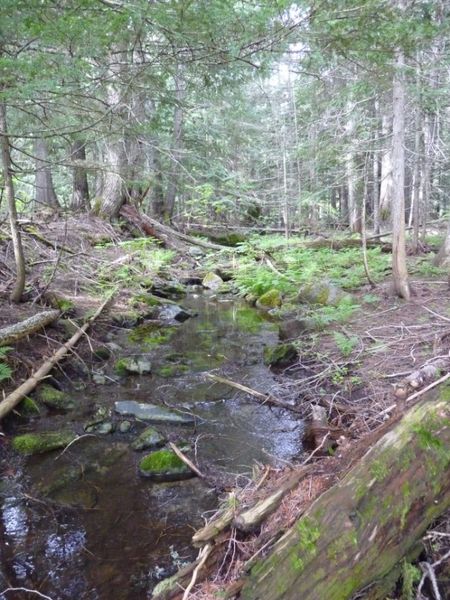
(83, 523)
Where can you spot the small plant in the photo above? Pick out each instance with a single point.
(346, 344)
(5, 370)
(410, 576)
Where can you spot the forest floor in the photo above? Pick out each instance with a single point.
(353, 365)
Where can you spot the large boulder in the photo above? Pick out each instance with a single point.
(164, 465)
(151, 412)
(133, 366)
(281, 355)
(293, 328)
(323, 293)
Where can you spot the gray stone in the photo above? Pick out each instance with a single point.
(133, 366)
(212, 281)
(151, 412)
(125, 426)
(149, 438)
(173, 312)
(323, 293)
(294, 328)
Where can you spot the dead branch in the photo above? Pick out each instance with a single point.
(28, 386)
(186, 460)
(265, 398)
(13, 333)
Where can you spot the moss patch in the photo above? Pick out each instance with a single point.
(280, 356)
(28, 407)
(163, 465)
(54, 398)
(269, 300)
(38, 443)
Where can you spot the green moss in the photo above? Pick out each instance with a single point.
(444, 392)
(38, 443)
(379, 470)
(28, 407)
(309, 533)
(168, 371)
(280, 355)
(53, 397)
(163, 465)
(121, 366)
(269, 300)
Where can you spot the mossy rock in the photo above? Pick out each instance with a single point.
(212, 281)
(269, 300)
(149, 438)
(133, 366)
(102, 353)
(164, 465)
(323, 293)
(38, 443)
(281, 355)
(169, 289)
(292, 329)
(28, 407)
(126, 319)
(168, 371)
(54, 398)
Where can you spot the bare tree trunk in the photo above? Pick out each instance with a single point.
(19, 256)
(178, 117)
(415, 198)
(399, 270)
(113, 189)
(80, 191)
(426, 171)
(376, 177)
(45, 191)
(386, 170)
(354, 219)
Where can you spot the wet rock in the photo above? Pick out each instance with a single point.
(38, 443)
(103, 428)
(173, 312)
(54, 398)
(323, 293)
(102, 352)
(294, 328)
(151, 412)
(126, 319)
(251, 299)
(149, 438)
(196, 251)
(281, 355)
(269, 300)
(168, 290)
(99, 379)
(28, 407)
(164, 465)
(212, 281)
(125, 426)
(133, 366)
(168, 371)
(113, 347)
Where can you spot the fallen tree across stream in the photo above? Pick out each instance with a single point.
(355, 534)
(14, 333)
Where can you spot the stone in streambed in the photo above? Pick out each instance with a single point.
(133, 366)
(151, 412)
(149, 438)
(54, 398)
(38, 443)
(164, 465)
(212, 281)
(323, 293)
(281, 355)
(292, 329)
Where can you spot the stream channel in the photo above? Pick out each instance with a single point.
(84, 524)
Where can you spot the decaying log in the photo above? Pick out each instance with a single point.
(28, 386)
(418, 378)
(317, 433)
(357, 531)
(169, 236)
(212, 529)
(265, 398)
(250, 519)
(13, 333)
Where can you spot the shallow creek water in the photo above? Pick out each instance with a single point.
(84, 524)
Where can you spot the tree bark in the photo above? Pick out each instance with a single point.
(45, 190)
(80, 191)
(356, 532)
(178, 117)
(14, 333)
(399, 270)
(19, 256)
(386, 170)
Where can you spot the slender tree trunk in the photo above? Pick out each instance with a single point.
(426, 172)
(45, 191)
(415, 198)
(178, 117)
(113, 188)
(354, 219)
(376, 176)
(80, 191)
(386, 170)
(19, 256)
(399, 270)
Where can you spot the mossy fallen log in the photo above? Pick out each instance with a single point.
(360, 529)
(13, 333)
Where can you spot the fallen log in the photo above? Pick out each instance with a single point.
(169, 236)
(361, 528)
(14, 333)
(28, 386)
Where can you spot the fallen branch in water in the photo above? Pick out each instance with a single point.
(265, 398)
(186, 460)
(28, 386)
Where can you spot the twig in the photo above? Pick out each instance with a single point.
(22, 589)
(203, 554)
(436, 314)
(79, 437)
(186, 460)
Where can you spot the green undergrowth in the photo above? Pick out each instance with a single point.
(5, 369)
(147, 259)
(298, 266)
